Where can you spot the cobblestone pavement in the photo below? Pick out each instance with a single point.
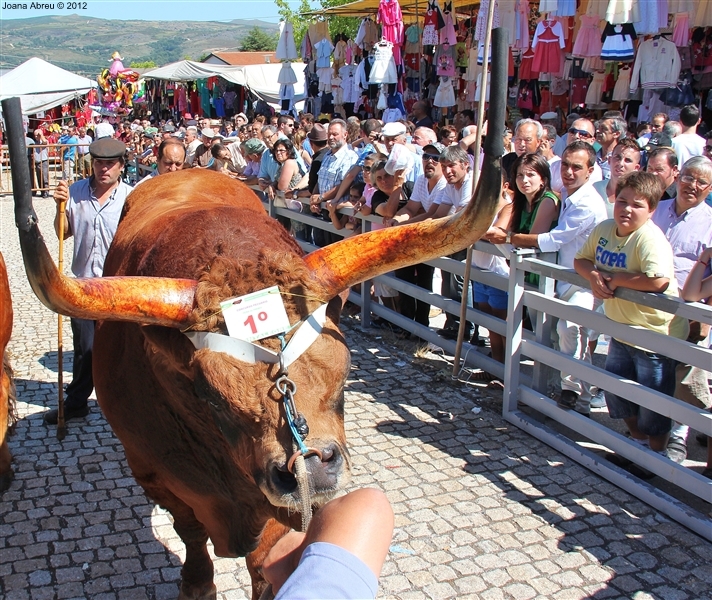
(482, 510)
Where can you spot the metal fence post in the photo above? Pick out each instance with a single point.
(542, 330)
(514, 332)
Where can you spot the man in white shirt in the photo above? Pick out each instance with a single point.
(583, 130)
(582, 209)
(688, 143)
(192, 142)
(420, 207)
(103, 129)
(455, 164)
(424, 201)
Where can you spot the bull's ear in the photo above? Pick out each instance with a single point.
(336, 304)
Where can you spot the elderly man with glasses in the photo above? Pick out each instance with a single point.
(686, 221)
(583, 130)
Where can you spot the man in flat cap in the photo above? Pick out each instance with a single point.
(93, 208)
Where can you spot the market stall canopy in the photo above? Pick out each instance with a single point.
(42, 85)
(410, 8)
(260, 79)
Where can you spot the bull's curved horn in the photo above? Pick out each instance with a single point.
(362, 257)
(147, 300)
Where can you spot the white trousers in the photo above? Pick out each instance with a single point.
(573, 341)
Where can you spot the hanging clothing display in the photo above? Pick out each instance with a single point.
(621, 91)
(623, 11)
(286, 46)
(649, 23)
(565, 8)
(384, 66)
(547, 6)
(618, 42)
(445, 94)
(681, 32)
(508, 19)
(445, 61)
(481, 26)
(595, 90)
(367, 35)
(702, 14)
(391, 19)
(657, 65)
(521, 41)
(431, 25)
(349, 83)
(287, 74)
(323, 50)
(547, 44)
(588, 41)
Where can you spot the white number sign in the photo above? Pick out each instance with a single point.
(255, 316)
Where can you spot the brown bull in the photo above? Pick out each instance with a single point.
(205, 433)
(7, 388)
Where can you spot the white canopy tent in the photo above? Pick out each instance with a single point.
(42, 85)
(260, 79)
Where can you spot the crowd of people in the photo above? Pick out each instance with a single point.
(624, 208)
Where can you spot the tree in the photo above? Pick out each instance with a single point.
(257, 40)
(147, 64)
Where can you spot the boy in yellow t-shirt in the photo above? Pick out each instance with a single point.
(631, 251)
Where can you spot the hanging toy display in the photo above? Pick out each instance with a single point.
(119, 88)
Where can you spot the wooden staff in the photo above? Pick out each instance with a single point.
(61, 427)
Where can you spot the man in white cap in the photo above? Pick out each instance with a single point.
(395, 133)
(202, 155)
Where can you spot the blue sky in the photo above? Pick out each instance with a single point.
(156, 10)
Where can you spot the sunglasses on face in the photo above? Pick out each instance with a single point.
(580, 132)
(433, 157)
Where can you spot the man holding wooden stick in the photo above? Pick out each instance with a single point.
(93, 208)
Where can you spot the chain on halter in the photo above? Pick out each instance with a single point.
(297, 423)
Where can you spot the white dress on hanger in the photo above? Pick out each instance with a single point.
(286, 74)
(286, 47)
(623, 11)
(384, 65)
(445, 94)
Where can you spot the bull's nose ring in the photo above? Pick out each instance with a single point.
(298, 453)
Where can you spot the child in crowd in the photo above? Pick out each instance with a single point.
(630, 251)
(349, 223)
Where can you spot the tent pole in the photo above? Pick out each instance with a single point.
(475, 178)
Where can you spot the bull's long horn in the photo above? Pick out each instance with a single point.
(362, 257)
(148, 300)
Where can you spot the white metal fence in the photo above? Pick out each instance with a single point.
(537, 346)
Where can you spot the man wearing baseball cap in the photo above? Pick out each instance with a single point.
(93, 208)
(396, 133)
(421, 206)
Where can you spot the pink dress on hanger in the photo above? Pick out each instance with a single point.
(447, 33)
(547, 44)
(522, 19)
(391, 19)
(588, 41)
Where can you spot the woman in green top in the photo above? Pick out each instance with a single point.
(535, 208)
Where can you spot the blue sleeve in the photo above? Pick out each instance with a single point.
(329, 571)
(264, 174)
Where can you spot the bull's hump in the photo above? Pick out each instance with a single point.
(184, 191)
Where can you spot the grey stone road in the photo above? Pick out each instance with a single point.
(482, 510)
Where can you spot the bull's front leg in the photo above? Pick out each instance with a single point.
(197, 572)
